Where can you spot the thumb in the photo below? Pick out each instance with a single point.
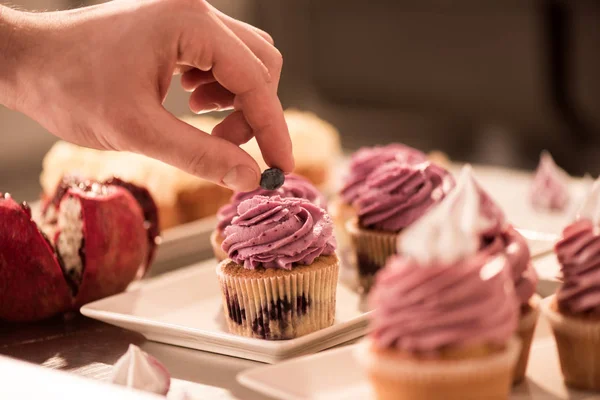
(201, 154)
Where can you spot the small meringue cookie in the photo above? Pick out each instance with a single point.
(137, 369)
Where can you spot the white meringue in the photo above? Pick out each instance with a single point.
(451, 230)
(139, 370)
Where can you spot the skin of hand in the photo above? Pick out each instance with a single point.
(97, 77)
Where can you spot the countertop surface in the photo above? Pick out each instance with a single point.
(89, 348)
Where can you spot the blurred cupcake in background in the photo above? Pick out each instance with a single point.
(294, 186)
(392, 197)
(574, 312)
(280, 279)
(445, 311)
(362, 163)
(497, 236)
(550, 186)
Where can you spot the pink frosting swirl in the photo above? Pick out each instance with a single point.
(503, 238)
(578, 253)
(422, 309)
(276, 232)
(294, 186)
(365, 160)
(549, 189)
(396, 194)
(513, 246)
(518, 261)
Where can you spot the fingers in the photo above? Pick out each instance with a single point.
(194, 78)
(251, 80)
(211, 97)
(232, 21)
(210, 157)
(234, 128)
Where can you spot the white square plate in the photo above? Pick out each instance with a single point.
(183, 308)
(548, 270)
(336, 375)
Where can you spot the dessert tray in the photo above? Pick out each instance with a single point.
(183, 308)
(327, 376)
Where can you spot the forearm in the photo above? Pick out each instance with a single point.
(15, 34)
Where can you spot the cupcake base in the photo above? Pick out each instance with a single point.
(276, 304)
(372, 249)
(527, 324)
(400, 377)
(216, 240)
(578, 344)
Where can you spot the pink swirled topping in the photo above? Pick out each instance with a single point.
(276, 232)
(365, 160)
(467, 223)
(578, 253)
(422, 309)
(294, 186)
(518, 262)
(396, 194)
(550, 187)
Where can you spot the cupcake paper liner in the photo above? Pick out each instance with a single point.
(372, 249)
(525, 330)
(281, 305)
(578, 344)
(465, 379)
(216, 240)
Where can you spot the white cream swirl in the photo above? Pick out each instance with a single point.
(452, 229)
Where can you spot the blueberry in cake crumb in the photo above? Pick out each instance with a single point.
(272, 179)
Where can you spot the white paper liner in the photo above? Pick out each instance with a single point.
(309, 295)
(372, 248)
(444, 370)
(525, 332)
(569, 325)
(578, 344)
(530, 320)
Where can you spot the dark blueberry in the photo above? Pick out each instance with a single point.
(272, 179)
(236, 313)
(366, 266)
(26, 208)
(261, 328)
(302, 304)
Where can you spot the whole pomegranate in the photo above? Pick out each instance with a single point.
(92, 240)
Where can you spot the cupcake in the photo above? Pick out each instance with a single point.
(574, 312)
(393, 196)
(550, 186)
(294, 186)
(362, 163)
(497, 237)
(280, 279)
(445, 312)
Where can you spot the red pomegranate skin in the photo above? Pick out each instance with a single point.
(115, 247)
(32, 284)
(115, 243)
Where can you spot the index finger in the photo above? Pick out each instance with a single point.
(241, 72)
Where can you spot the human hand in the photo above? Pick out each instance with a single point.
(97, 77)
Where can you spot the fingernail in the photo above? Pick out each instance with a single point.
(241, 178)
